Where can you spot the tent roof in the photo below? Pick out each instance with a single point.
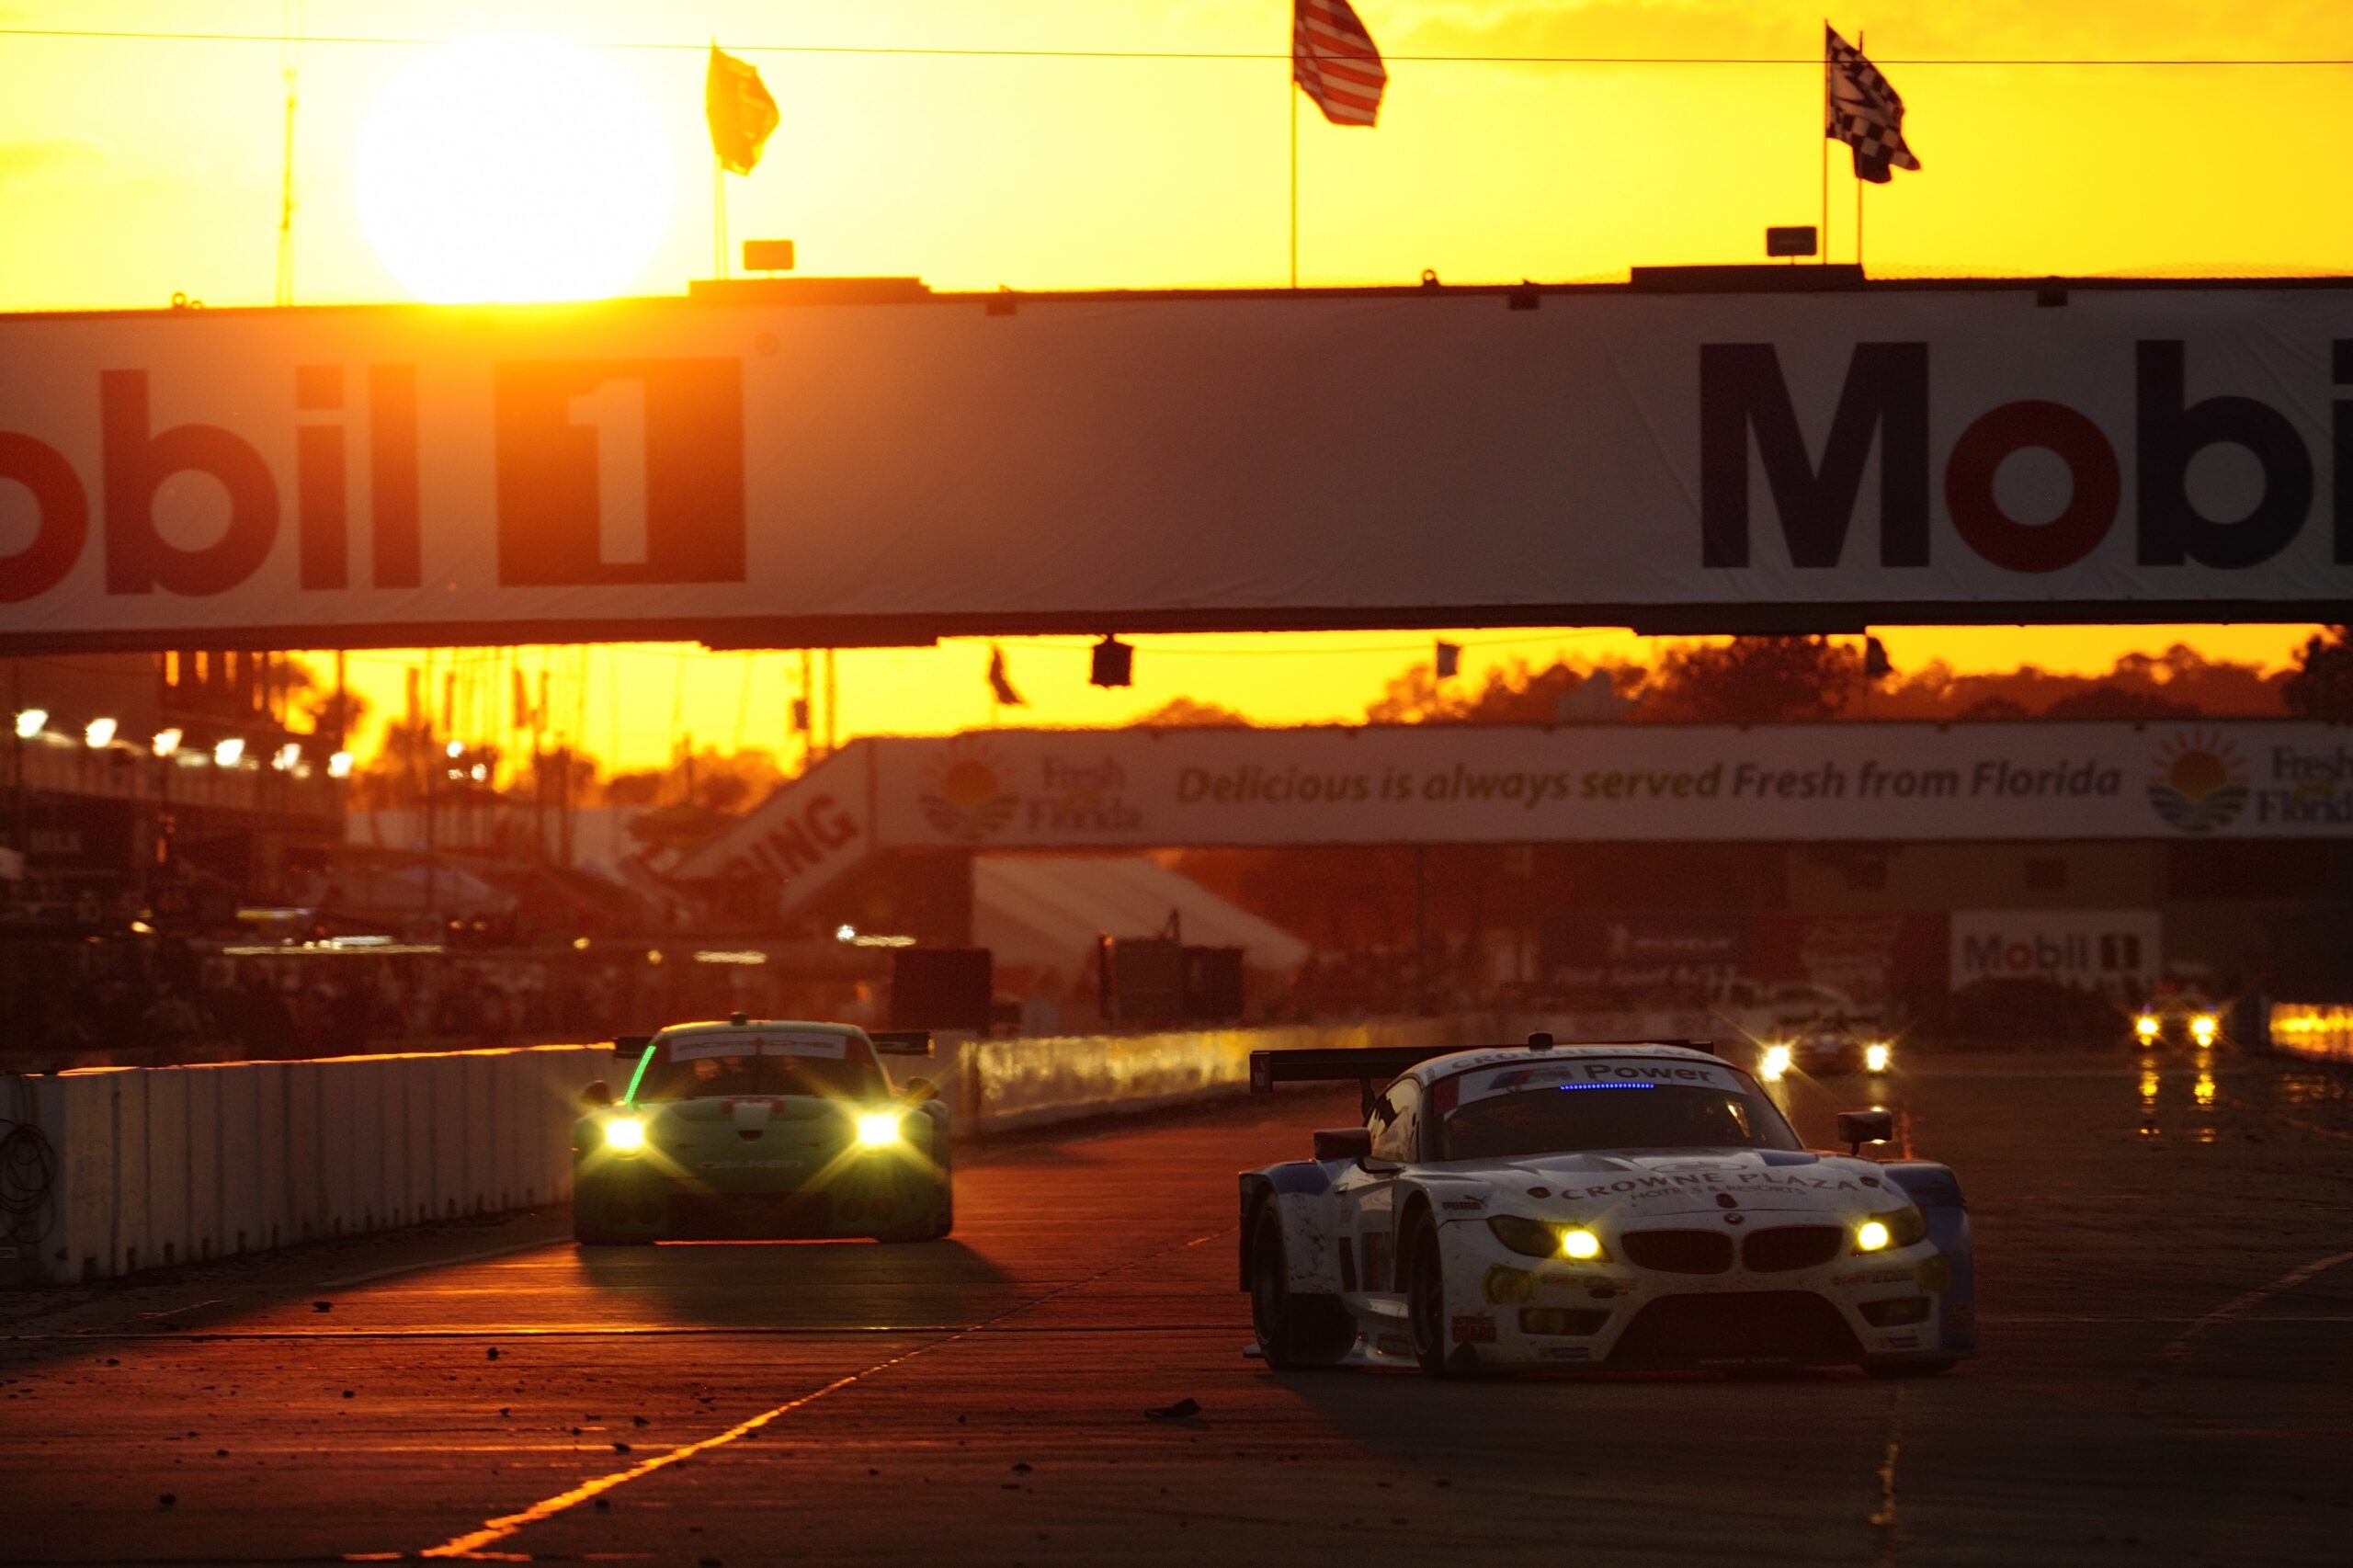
(1046, 911)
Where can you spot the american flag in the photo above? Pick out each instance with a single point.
(1334, 58)
(1864, 111)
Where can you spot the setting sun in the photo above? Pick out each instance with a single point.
(513, 166)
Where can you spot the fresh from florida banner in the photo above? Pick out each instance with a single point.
(1438, 784)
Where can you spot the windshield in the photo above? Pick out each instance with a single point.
(745, 1070)
(1508, 1115)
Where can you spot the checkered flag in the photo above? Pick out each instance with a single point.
(1864, 111)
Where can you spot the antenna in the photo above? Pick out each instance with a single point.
(285, 292)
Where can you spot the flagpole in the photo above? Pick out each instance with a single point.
(1859, 34)
(1823, 128)
(1290, 95)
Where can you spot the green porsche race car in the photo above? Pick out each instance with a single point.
(762, 1129)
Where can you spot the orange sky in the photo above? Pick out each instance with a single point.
(130, 169)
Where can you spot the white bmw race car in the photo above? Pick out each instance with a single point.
(1595, 1206)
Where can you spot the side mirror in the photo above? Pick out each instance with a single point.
(597, 1095)
(1344, 1144)
(1857, 1128)
(919, 1091)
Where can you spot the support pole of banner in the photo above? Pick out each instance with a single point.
(808, 714)
(719, 218)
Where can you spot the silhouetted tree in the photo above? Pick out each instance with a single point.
(2321, 685)
(1519, 695)
(1184, 713)
(2181, 677)
(1993, 709)
(1753, 680)
(2119, 703)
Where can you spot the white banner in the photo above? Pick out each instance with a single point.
(1457, 784)
(832, 473)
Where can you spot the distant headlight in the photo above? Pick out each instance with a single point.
(2202, 1029)
(1775, 1063)
(878, 1129)
(1875, 1057)
(625, 1134)
(2145, 1026)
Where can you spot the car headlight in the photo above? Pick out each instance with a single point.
(878, 1130)
(2145, 1027)
(625, 1134)
(2202, 1029)
(1897, 1228)
(1534, 1238)
(1876, 1056)
(1775, 1063)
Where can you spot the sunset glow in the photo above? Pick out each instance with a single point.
(512, 166)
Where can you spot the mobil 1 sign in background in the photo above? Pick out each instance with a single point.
(799, 473)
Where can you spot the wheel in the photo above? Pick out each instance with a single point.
(586, 1233)
(1294, 1328)
(933, 1226)
(1426, 1299)
(940, 1218)
(1933, 1368)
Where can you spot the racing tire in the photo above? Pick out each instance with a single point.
(933, 1227)
(1935, 1368)
(1295, 1328)
(1424, 1272)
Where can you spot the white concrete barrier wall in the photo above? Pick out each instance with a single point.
(997, 1085)
(2322, 1031)
(175, 1165)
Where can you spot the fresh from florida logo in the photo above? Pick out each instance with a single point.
(2198, 782)
(964, 792)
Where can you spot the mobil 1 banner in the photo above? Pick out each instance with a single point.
(832, 473)
(2107, 948)
(1435, 784)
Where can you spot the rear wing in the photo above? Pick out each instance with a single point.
(1375, 1067)
(1378, 1064)
(902, 1042)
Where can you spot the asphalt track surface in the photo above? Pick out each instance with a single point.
(2166, 1266)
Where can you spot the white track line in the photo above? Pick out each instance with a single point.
(1890, 1538)
(471, 1543)
(2180, 1348)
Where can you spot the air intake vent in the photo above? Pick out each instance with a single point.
(1791, 1246)
(1679, 1252)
